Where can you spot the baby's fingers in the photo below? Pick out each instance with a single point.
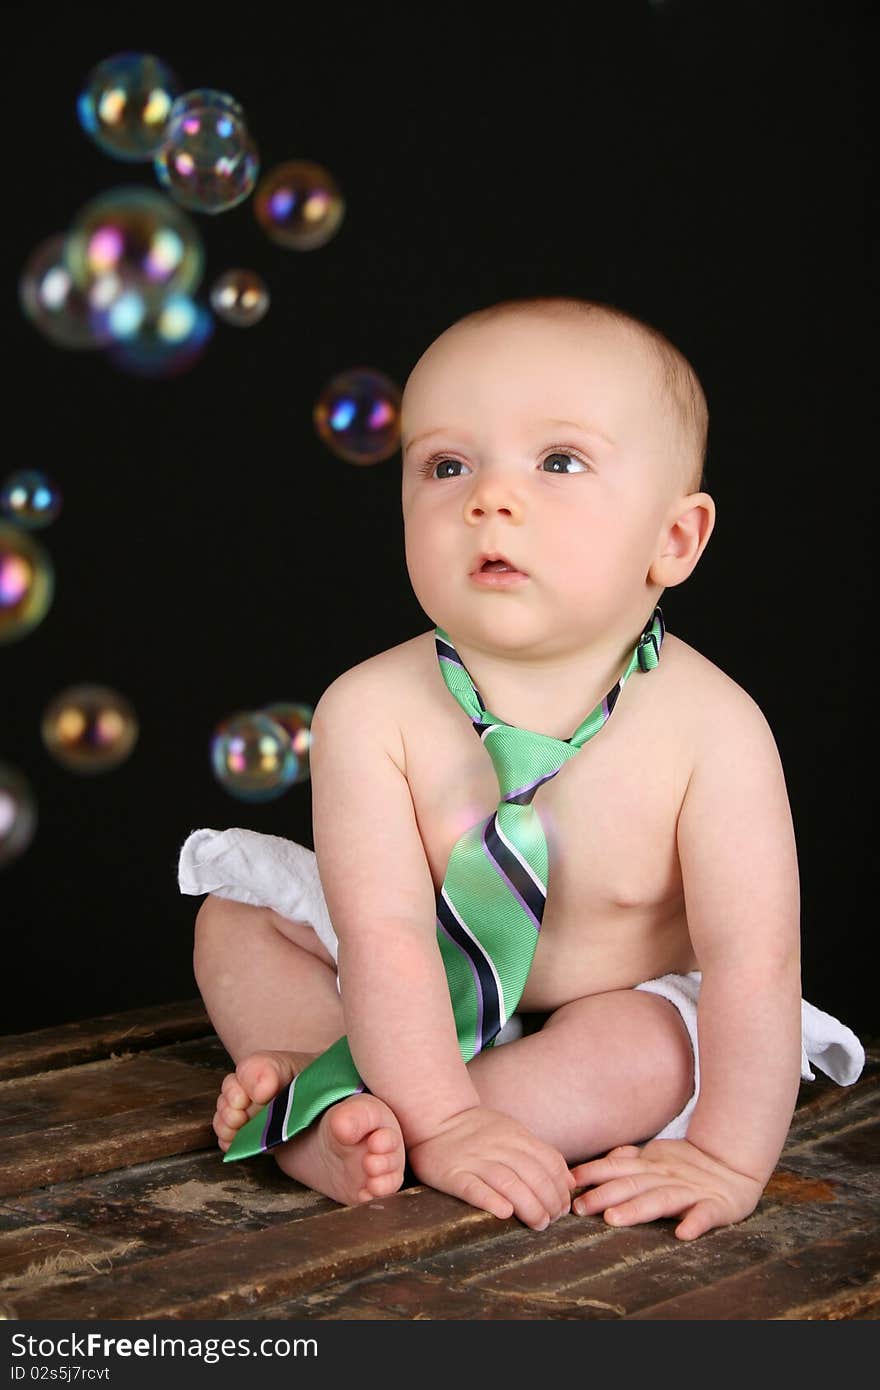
(501, 1190)
(702, 1216)
(479, 1194)
(659, 1201)
(530, 1191)
(611, 1165)
(616, 1192)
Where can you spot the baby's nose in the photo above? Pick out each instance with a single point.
(493, 493)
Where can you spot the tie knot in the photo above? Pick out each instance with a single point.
(522, 758)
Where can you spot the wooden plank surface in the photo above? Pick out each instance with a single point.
(102, 1115)
(116, 1203)
(23, 1054)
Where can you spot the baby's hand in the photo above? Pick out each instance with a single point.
(496, 1164)
(663, 1178)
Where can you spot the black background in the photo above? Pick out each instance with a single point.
(704, 166)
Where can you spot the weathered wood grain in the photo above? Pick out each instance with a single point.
(815, 1276)
(22, 1054)
(244, 1270)
(116, 1204)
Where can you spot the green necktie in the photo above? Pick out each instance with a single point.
(491, 904)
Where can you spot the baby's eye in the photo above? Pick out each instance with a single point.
(440, 463)
(563, 454)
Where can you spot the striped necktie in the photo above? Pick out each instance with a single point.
(489, 908)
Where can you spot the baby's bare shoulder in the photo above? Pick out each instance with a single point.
(372, 694)
(712, 707)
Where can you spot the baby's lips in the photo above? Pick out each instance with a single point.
(490, 555)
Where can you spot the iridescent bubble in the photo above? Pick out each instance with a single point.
(63, 312)
(357, 415)
(240, 297)
(125, 104)
(27, 583)
(208, 160)
(30, 498)
(299, 205)
(296, 720)
(163, 341)
(252, 756)
(140, 238)
(89, 728)
(18, 813)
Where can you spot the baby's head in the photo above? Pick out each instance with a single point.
(569, 437)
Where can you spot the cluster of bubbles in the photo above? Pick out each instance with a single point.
(256, 755)
(125, 278)
(126, 275)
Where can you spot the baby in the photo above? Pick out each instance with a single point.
(564, 440)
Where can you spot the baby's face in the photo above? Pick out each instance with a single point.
(547, 443)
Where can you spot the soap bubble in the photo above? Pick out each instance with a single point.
(27, 583)
(240, 297)
(357, 415)
(18, 813)
(89, 728)
(63, 312)
(125, 103)
(252, 756)
(296, 720)
(163, 341)
(141, 239)
(30, 498)
(299, 205)
(208, 160)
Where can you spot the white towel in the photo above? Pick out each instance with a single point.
(248, 866)
(268, 871)
(825, 1041)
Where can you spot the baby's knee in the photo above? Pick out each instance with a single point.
(638, 1032)
(667, 1052)
(215, 912)
(219, 920)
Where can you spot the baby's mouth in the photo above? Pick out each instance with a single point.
(494, 563)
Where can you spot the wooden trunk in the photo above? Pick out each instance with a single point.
(115, 1203)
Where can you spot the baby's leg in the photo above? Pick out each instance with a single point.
(269, 984)
(609, 1069)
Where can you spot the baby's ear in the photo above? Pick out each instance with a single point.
(683, 539)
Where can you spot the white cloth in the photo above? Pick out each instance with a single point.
(248, 866)
(825, 1041)
(263, 870)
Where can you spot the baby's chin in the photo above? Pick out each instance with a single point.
(497, 625)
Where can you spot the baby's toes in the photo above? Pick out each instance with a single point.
(233, 1092)
(377, 1165)
(383, 1185)
(224, 1132)
(262, 1075)
(228, 1120)
(385, 1141)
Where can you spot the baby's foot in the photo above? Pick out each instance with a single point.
(352, 1153)
(255, 1081)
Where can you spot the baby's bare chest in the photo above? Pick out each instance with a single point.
(615, 910)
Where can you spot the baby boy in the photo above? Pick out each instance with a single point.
(552, 455)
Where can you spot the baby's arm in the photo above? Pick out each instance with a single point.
(398, 1013)
(739, 868)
